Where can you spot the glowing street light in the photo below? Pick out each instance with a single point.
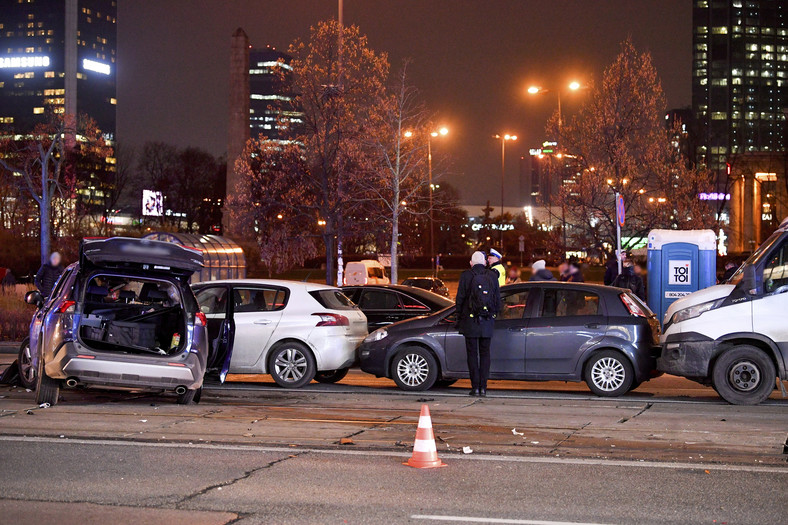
(538, 90)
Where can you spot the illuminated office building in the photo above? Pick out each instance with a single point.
(57, 56)
(740, 71)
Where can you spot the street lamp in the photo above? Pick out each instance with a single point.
(440, 132)
(503, 139)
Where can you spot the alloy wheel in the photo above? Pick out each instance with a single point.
(413, 369)
(608, 374)
(290, 365)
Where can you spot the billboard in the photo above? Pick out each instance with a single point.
(152, 203)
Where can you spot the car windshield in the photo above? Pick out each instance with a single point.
(764, 248)
(333, 300)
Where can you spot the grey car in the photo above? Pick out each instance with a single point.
(122, 317)
(546, 331)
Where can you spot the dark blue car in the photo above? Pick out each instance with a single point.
(546, 331)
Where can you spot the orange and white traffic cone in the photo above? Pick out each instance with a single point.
(425, 455)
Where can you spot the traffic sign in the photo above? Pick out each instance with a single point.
(522, 243)
(620, 211)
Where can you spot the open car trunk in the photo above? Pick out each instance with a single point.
(133, 315)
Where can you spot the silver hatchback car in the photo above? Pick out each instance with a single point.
(122, 317)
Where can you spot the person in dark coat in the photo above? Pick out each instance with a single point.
(730, 269)
(575, 274)
(48, 274)
(539, 272)
(8, 278)
(630, 280)
(611, 270)
(477, 327)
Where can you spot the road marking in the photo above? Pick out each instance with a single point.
(387, 453)
(468, 519)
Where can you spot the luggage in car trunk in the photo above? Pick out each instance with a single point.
(131, 334)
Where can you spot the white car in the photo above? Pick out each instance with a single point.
(294, 331)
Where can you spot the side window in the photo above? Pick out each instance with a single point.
(378, 300)
(258, 299)
(775, 273)
(513, 305)
(375, 272)
(569, 303)
(409, 303)
(213, 301)
(61, 281)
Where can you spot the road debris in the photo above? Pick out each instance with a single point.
(467, 450)
(514, 431)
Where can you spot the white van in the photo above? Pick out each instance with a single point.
(365, 272)
(734, 336)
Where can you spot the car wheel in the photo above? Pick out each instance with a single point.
(609, 374)
(444, 383)
(331, 376)
(190, 396)
(27, 371)
(292, 365)
(744, 375)
(47, 389)
(414, 369)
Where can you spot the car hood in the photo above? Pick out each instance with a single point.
(159, 255)
(711, 293)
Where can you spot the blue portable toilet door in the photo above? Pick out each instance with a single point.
(680, 272)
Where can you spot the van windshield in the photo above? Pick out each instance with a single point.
(756, 256)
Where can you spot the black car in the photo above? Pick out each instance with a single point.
(431, 284)
(546, 331)
(384, 304)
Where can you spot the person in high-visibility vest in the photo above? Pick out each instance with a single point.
(496, 265)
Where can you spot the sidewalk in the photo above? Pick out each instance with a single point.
(9, 347)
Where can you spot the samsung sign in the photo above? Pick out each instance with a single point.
(23, 62)
(93, 65)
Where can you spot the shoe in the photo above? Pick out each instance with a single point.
(474, 392)
(482, 392)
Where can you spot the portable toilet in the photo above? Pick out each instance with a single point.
(679, 263)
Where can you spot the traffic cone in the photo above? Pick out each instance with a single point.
(425, 455)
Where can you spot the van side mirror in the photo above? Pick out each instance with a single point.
(34, 297)
(750, 282)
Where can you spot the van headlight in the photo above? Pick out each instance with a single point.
(695, 311)
(377, 335)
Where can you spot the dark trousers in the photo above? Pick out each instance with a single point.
(478, 350)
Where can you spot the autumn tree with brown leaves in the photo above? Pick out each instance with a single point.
(313, 181)
(621, 144)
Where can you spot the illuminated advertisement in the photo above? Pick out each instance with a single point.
(95, 66)
(152, 203)
(24, 62)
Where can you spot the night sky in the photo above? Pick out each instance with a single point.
(472, 62)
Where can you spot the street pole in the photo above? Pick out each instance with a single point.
(432, 227)
(618, 234)
(561, 174)
(503, 175)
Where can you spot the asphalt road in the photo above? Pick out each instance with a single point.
(221, 483)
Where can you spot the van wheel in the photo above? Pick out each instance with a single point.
(27, 371)
(744, 375)
(292, 365)
(331, 376)
(47, 389)
(414, 369)
(190, 396)
(609, 374)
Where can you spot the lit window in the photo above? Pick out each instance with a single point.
(38, 110)
(702, 30)
(113, 101)
(720, 30)
(719, 115)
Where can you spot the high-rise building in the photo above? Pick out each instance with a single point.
(261, 102)
(57, 56)
(740, 76)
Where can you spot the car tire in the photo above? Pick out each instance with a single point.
(609, 373)
(27, 372)
(190, 396)
(331, 376)
(292, 365)
(444, 383)
(744, 375)
(414, 369)
(47, 389)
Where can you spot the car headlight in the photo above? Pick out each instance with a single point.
(695, 311)
(377, 335)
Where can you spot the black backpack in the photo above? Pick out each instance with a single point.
(481, 299)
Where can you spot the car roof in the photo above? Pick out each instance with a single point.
(271, 282)
(598, 288)
(419, 293)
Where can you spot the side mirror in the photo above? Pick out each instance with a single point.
(750, 282)
(34, 297)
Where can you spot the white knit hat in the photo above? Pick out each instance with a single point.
(478, 258)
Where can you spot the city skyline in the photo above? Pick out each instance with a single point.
(475, 84)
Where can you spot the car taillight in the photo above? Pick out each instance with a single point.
(66, 307)
(200, 319)
(633, 307)
(327, 319)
